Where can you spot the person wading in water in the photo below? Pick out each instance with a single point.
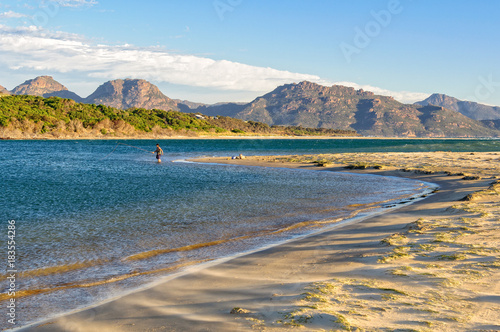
(159, 152)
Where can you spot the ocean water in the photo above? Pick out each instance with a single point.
(97, 218)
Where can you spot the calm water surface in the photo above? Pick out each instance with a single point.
(95, 218)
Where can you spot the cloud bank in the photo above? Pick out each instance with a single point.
(37, 49)
(34, 48)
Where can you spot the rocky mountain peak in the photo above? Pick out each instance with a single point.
(128, 93)
(45, 86)
(4, 91)
(470, 109)
(39, 86)
(307, 87)
(440, 99)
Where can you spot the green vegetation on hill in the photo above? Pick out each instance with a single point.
(32, 116)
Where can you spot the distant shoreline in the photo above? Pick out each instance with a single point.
(241, 137)
(174, 137)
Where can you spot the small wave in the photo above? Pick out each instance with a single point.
(86, 283)
(51, 270)
(302, 224)
(274, 231)
(156, 252)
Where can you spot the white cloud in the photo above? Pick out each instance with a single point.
(75, 3)
(37, 49)
(11, 14)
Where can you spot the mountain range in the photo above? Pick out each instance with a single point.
(304, 104)
(312, 105)
(473, 110)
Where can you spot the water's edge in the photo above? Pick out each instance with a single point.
(395, 205)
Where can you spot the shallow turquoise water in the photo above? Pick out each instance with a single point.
(87, 216)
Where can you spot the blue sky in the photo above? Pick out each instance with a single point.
(236, 50)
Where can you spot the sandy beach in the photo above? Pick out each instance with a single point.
(433, 265)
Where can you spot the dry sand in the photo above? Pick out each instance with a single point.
(430, 266)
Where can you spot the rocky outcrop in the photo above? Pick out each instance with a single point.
(45, 86)
(4, 91)
(470, 109)
(131, 93)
